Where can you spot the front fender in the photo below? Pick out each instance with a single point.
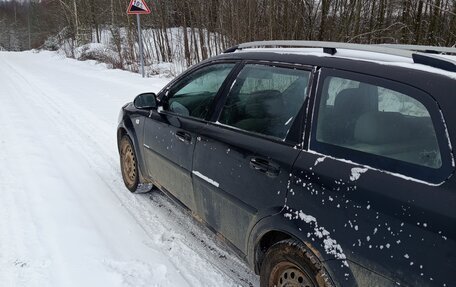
(133, 126)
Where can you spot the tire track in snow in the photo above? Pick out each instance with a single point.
(95, 140)
(69, 127)
(23, 251)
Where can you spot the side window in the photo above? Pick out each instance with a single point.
(376, 120)
(265, 99)
(194, 94)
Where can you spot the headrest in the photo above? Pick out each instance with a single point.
(350, 101)
(264, 104)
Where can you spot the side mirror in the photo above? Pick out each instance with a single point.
(145, 101)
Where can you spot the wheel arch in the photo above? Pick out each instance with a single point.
(126, 128)
(121, 131)
(264, 242)
(270, 230)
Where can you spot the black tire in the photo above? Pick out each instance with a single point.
(291, 263)
(130, 168)
(128, 163)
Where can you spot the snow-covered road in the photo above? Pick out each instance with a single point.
(65, 217)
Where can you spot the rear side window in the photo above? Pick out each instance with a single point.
(265, 99)
(377, 120)
(384, 124)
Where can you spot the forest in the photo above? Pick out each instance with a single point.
(209, 26)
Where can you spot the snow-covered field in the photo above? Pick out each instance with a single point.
(66, 218)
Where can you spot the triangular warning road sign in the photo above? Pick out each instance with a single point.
(138, 7)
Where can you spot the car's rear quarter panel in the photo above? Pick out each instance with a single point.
(385, 224)
(396, 227)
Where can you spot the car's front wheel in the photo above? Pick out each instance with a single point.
(128, 164)
(290, 263)
(130, 168)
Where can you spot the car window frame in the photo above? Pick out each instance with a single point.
(378, 162)
(163, 95)
(298, 125)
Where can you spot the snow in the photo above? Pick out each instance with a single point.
(202, 176)
(319, 160)
(450, 146)
(66, 217)
(376, 169)
(341, 53)
(356, 173)
(306, 218)
(329, 244)
(288, 121)
(113, 39)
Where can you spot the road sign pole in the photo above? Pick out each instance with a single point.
(138, 7)
(141, 52)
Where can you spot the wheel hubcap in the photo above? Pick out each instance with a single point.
(128, 164)
(286, 274)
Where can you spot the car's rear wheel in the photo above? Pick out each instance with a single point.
(129, 164)
(290, 263)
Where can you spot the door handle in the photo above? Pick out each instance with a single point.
(264, 166)
(184, 136)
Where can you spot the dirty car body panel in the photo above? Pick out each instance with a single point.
(372, 220)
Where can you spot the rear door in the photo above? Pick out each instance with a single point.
(243, 158)
(371, 189)
(170, 132)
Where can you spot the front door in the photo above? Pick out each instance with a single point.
(243, 160)
(170, 132)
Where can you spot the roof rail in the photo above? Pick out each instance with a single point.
(407, 51)
(435, 61)
(424, 49)
(330, 45)
(231, 49)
